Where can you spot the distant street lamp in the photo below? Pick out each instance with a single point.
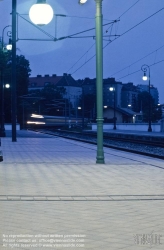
(144, 68)
(7, 85)
(114, 90)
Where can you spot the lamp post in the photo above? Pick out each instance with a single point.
(144, 68)
(13, 87)
(99, 81)
(114, 91)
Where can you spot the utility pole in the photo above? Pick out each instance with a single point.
(13, 100)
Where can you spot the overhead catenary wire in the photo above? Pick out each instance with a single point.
(134, 72)
(109, 42)
(138, 60)
(122, 35)
(83, 56)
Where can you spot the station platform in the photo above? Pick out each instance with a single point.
(53, 195)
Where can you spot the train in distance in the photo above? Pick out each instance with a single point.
(46, 120)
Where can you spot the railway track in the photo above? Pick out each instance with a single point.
(134, 144)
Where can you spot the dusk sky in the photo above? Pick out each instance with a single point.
(125, 52)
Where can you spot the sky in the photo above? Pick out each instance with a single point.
(135, 39)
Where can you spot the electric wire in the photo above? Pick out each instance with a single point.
(129, 9)
(134, 72)
(83, 56)
(94, 43)
(37, 27)
(138, 60)
(123, 35)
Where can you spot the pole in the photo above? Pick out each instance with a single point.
(65, 112)
(114, 127)
(149, 128)
(14, 3)
(82, 107)
(2, 130)
(99, 80)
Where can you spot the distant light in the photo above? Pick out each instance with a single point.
(111, 89)
(144, 78)
(30, 122)
(37, 116)
(79, 107)
(105, 107)
(41, 13)
(159, 104)
(7, 85)
(82, 1)
(129, 105)
(9, 46)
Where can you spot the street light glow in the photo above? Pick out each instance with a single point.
(144, 78)
(111, 89)
(7, 85)
(41, 13)
(9, 46)
(82, 1)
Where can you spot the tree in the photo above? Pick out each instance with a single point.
(22, 80)
(143, 105)
(44, 101)
(89, 105)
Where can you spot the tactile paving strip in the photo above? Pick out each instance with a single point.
(81, 198)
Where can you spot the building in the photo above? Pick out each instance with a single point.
(129, 96)
(122, 115)
(73, 89)
(89, 88)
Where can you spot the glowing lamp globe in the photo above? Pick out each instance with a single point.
(144, 78)
(41, 13)
(82, 1)
(7, 85)
(9, 46)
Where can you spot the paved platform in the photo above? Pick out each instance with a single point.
(52, 192)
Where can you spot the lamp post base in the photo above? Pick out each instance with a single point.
(2, 133)
(149, 129)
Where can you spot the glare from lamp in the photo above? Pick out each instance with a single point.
(144, 78)
(9, 47)
(7, 85)
(82, 1)
(111, 89)
(41, 13)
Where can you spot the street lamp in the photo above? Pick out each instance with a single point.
(41, 13)
(99, 81)
(113, 90)
(82, 1)
(144, 68)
